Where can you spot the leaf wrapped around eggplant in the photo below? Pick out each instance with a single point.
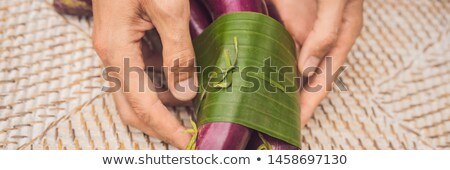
(248, 75)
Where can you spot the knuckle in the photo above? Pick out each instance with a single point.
(181, 66)
(300, 36)
(169, 10)
(143, 112)
(326, 41)
(140, 113)
(175, 10)
(183, 57)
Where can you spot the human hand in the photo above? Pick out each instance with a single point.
(119, 27)
(320, 28)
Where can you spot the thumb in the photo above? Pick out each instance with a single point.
(171, 19)
(323, 36)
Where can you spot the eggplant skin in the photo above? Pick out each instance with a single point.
(218, 8)
(226, 135)
(199, 19)
(222, 136)
(73, 7)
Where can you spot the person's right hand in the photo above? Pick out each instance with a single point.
(321, 29)
(119, 27)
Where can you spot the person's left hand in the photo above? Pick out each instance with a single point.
(118, 32)
(320, 28)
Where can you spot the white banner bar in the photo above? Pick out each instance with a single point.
(198, 160)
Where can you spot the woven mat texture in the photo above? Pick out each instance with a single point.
(398, 81)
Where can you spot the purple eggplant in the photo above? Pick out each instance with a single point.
(219, 7)
(222, 136)
(225, 135)
(199, 19)
(231, 136)
(273, 12)
(258, 139)
(73, 7)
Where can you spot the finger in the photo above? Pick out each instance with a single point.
(316, 88)
(153, 63)
(168, 99)
(299, 28)
(128, 117)
(119, 45)
(352, 24)
(171, 19)
(323, 36)
(149, 108)
(351, 27)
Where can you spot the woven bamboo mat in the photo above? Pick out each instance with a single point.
(398, 81)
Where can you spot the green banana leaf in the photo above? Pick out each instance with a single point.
(232, 54)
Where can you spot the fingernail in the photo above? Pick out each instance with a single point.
(311, 62)
(186, 89)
